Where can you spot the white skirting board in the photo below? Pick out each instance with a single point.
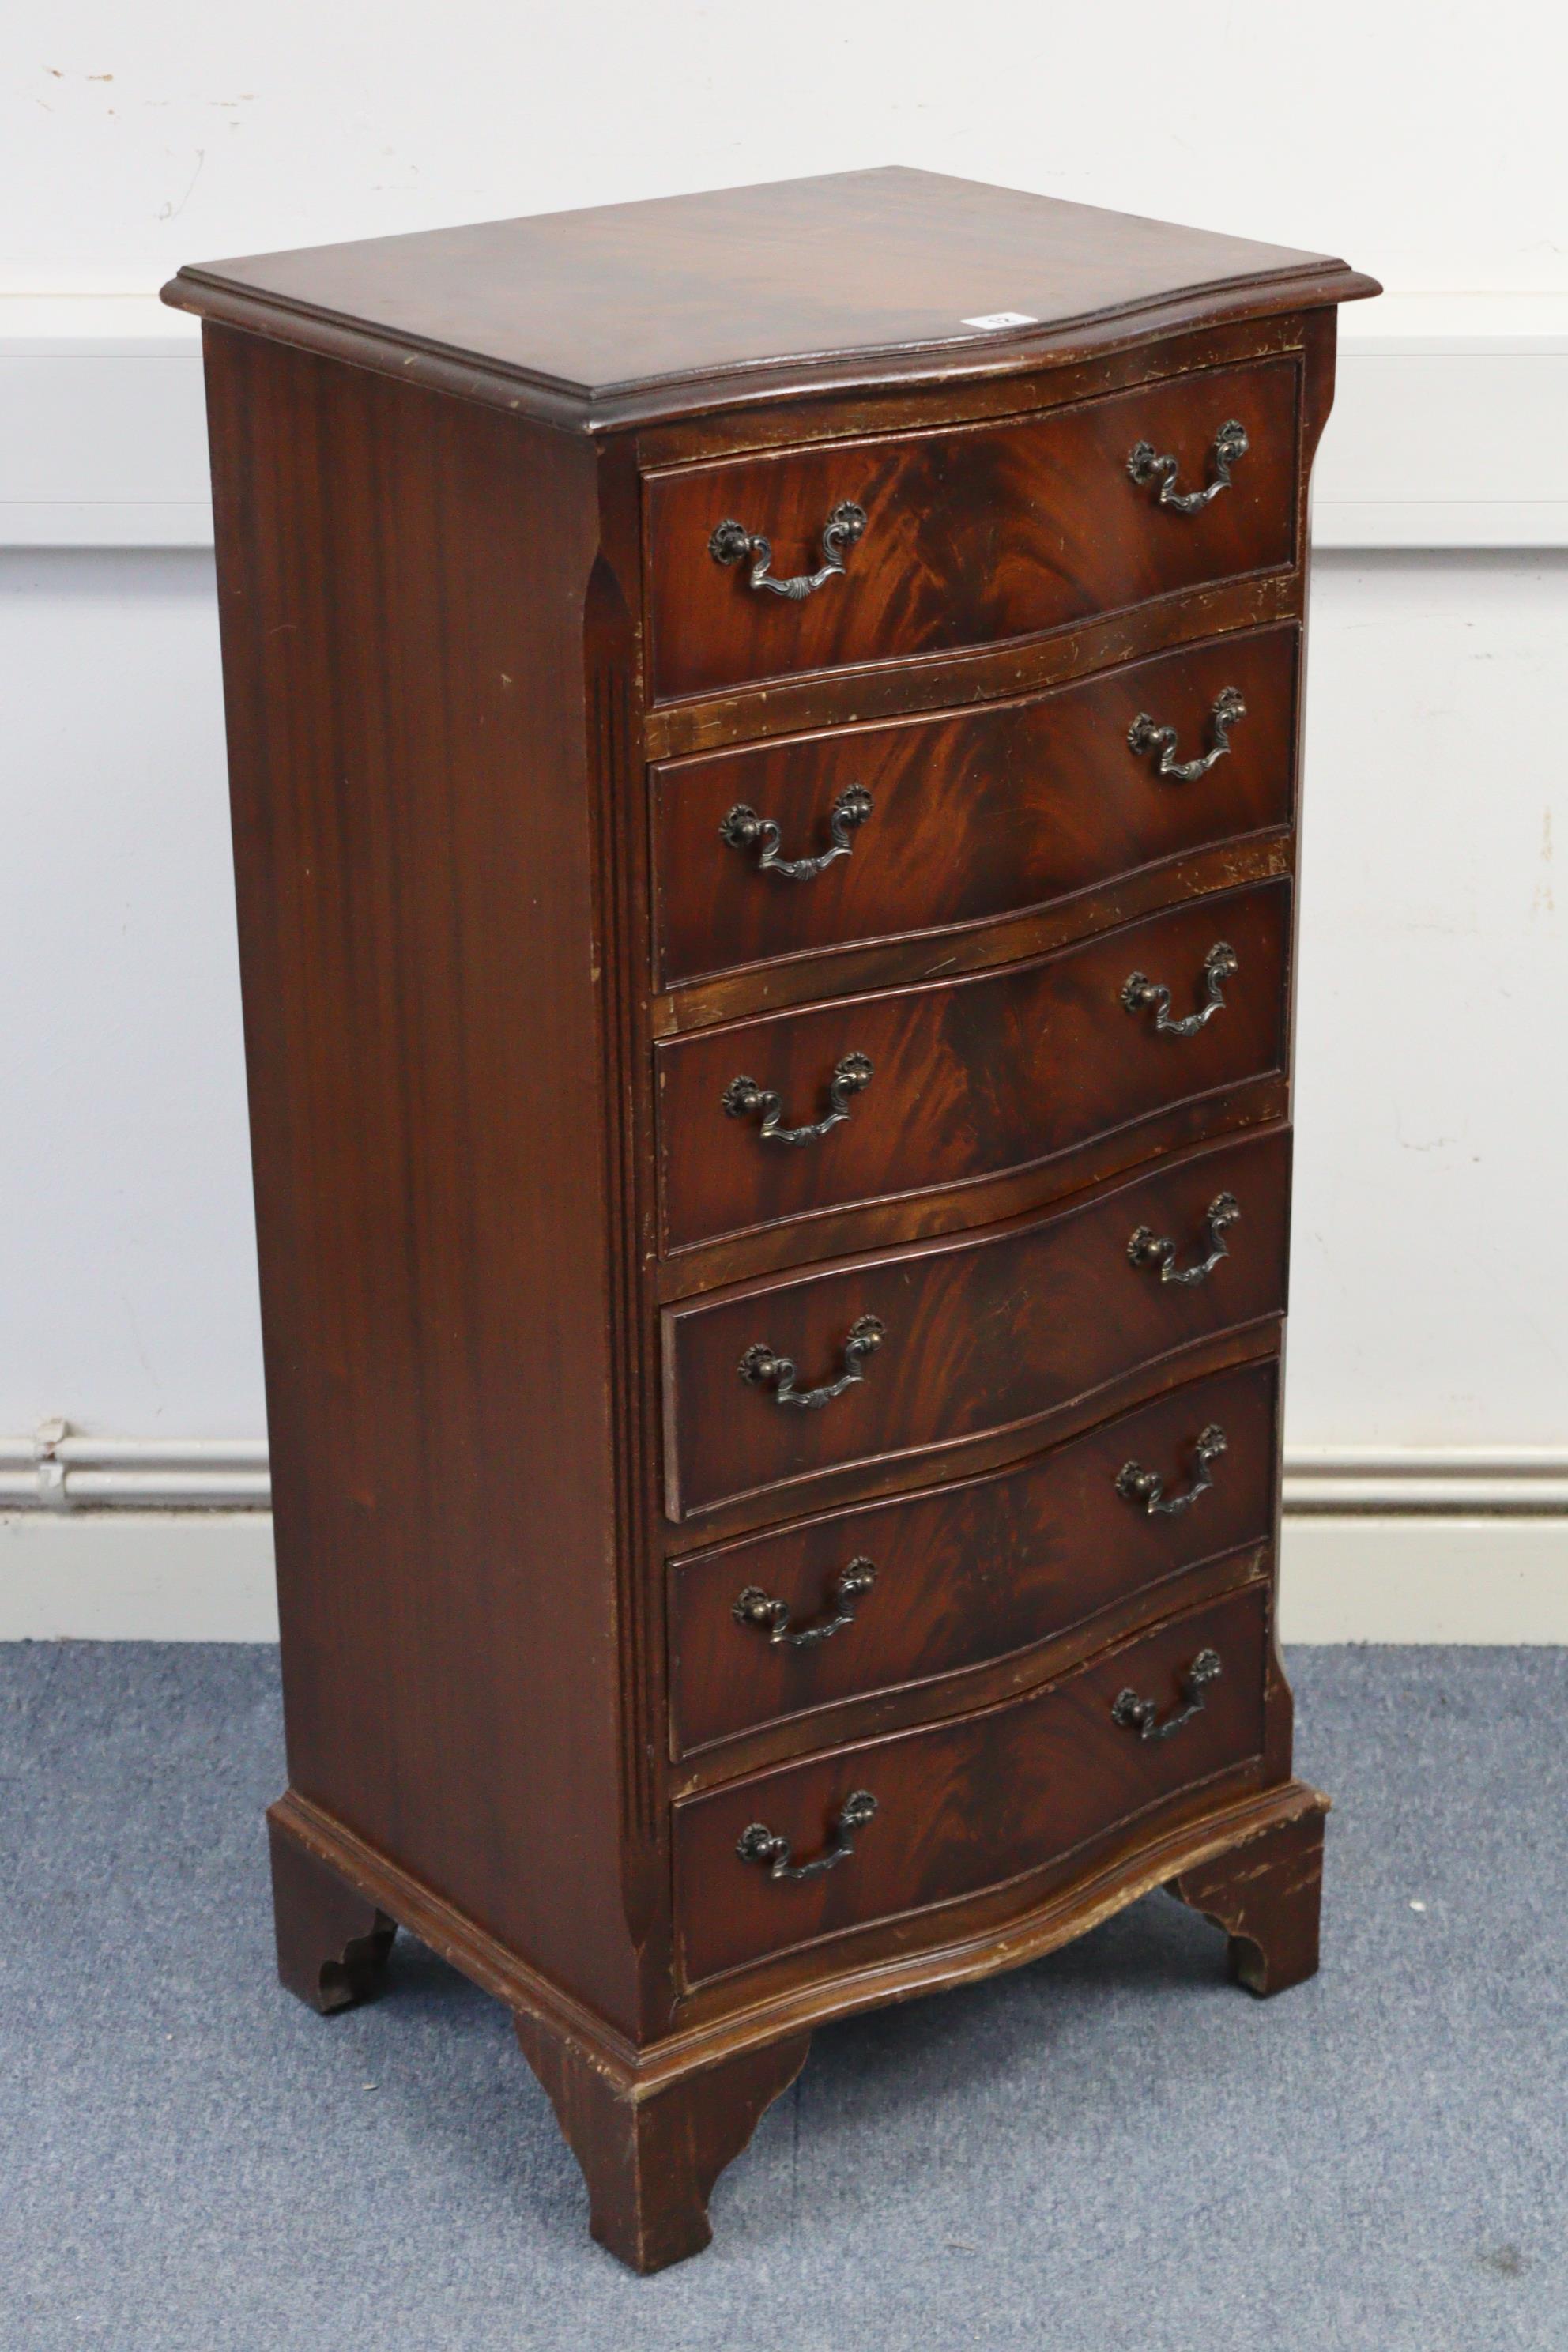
(1424, 1577)
(207, 1576)
(137, 1576)
(1445, 404)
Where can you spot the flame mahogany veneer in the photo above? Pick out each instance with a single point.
(968, 1077)
(768, 1108)
(1005, 808)
(974, 536)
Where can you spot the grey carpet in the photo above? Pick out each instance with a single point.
(1112, 2148)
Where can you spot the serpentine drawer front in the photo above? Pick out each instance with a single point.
(928, 824)
(872, 1096)
(903, 1592)
(949, 1340)
(966, 538)
(970, 1803)
(764, 733)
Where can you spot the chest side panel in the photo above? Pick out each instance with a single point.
(401, 586)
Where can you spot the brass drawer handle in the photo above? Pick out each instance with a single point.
(762, 1369)
(1142, 1715)
(760, 1844)
(743, 1099)
(1145, 467)
(1147, 1488)
(743, 829)
(757, 1608)
(1140, 995)
(1147, 1248)
(1146, 734)
(731, 540)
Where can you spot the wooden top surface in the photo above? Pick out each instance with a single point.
(802, 279)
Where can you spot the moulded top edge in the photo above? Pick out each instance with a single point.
(624, 311)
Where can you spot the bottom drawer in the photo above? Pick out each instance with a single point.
(897, 1824)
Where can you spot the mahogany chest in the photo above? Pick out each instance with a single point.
(764, 732)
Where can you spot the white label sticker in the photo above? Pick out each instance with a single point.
(1002, 319)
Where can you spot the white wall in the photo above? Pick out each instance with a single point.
(1430, 1291)
(1425, 142)
(127, 1265)
(1429, 1284)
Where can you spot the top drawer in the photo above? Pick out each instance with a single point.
(975, 534)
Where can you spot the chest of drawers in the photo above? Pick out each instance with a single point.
(763, 741)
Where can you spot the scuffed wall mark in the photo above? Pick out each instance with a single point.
(386, 187)
(1544, 901)
(1409, 1142)
(173, 211)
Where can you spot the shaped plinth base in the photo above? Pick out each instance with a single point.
(1266, 1893)
(332, 1942)
(650, 2157)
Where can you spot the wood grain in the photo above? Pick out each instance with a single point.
(947, 682)
(971, 1571)
(1003, 1928)
(623, 312)
(974, 535)
(1002, 810)
(333, 1945)
(968, 1078)
(401, 582)
(985, 1332)
(650, 2157)
(1267, 1893)
(969, 1804)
